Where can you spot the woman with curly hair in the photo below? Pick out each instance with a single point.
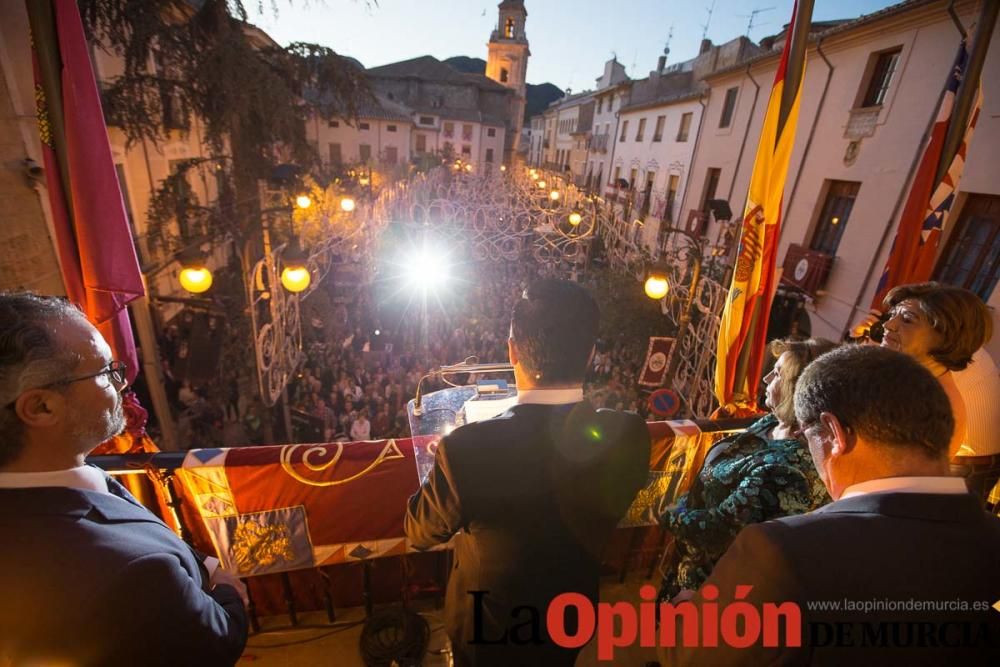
(941, 326)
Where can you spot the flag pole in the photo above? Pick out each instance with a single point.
(967, 90)
(799, 36)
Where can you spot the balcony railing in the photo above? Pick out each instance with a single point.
(598, 143)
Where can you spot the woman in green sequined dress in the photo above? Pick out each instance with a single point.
(762, 473)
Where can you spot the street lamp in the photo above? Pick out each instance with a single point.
(194, 276)
(657, 283)
(303, 201)
(295, 278)
(347, 204)
(295, 275)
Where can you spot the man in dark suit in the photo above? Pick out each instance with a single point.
(89, 576)
(903, 567)
(534, 494)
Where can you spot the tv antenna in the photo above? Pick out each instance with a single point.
(708, 21)
(753, 16)
(670, 36)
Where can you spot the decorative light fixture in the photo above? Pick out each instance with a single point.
(554, 195)
(303, 201)
(347, 204)
(295, 276)
(363, 181)
(194, 276)
(575, 217)
(503, 167)
(657, 284)
(542, 185)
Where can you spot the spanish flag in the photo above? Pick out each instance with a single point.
(741, 347)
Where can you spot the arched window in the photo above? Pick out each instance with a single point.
(503, 75)
(508, 28)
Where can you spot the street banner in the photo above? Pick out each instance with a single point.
(657, 357)
(93, 238)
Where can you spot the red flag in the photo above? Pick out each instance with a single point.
(96, 253)
(914, 249)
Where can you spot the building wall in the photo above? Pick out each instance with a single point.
(27, 253)
(881, 163)
(599, 157)
(566, 120)
(380, 136)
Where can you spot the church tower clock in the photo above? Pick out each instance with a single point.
(507, 62)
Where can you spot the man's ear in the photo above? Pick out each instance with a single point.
(512, 351)
(843, 439)
(39, 408)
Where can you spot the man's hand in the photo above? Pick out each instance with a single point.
(220, 576)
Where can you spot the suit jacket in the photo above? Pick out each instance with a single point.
(882, 549)
(96, 579)
(534, 496)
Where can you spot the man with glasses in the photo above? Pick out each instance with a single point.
(901, 568)
(88, 575)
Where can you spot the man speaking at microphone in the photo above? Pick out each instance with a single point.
(533, 495)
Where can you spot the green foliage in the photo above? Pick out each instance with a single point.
(626, 312)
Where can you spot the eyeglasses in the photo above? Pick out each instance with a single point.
(115, 371)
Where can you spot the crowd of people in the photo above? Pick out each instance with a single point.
(866, 482)
(364, 359)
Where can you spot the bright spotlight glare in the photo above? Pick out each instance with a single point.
(428, 269)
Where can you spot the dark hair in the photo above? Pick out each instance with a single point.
(884, 395)
(801, 354)
(959, 316)
(554, 327)
(30, 356)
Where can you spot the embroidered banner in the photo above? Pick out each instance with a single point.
(290, 507)
(657, 356)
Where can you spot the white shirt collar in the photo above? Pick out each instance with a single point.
(87, 478)
(907, 485)
(550, 396)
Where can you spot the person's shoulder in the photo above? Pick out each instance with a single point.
(625, 424)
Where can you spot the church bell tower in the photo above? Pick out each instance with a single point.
(507, 62)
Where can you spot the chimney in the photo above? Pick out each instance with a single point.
(706, 45)
(660, 64)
